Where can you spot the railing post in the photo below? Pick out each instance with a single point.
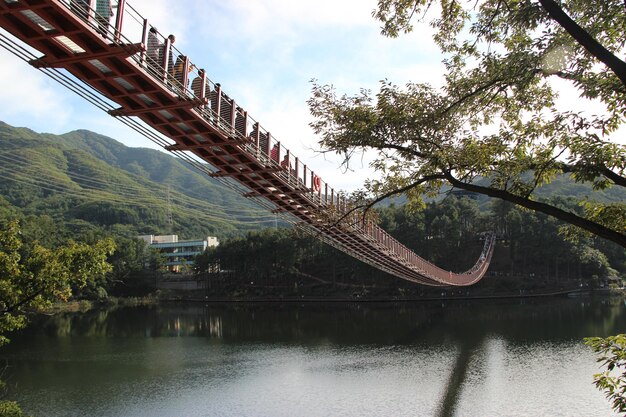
(288, 165)
(185, 74)
(245, 124)
(233, 113)
(144, 42)
(257, 136)
(165, 59)
(91, 12)
(218, 107)
(268, 149)
(297, 171)
(119, 19)
(203, 86)
(304, 175)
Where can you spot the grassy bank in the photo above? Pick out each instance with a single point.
(76, 306)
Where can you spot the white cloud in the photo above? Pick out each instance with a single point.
(264, 52)
(28, 96)
(268, 18)
(166, 15)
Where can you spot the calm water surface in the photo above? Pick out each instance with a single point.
(496, 358)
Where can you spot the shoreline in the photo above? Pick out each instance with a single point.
(82, 306)
(303, 299)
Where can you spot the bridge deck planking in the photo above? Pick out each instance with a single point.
(117, 73)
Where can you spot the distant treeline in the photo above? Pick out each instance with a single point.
(85, 187)
(532, 251)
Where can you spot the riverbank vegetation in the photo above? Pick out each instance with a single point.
(532, 255)
(493, 123)
(33, 277)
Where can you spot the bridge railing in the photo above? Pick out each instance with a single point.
(175, 70)
(168, 65)
(390, 244)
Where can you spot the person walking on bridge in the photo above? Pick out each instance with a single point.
(104, 12)
(153, 51)
(196, 85)
(178, 72)
(167, 54)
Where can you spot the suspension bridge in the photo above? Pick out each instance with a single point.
(119, 63)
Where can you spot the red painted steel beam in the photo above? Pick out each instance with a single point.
(53, 62)
(183, 104)
(214, 139)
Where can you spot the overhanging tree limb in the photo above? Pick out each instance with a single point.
(566, 216)
(616, 178)
(397, 191)
(24, 301)
(528, 35)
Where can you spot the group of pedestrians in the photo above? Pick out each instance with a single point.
(161, 56)
(161, 61)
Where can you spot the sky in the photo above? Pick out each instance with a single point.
(264, 53)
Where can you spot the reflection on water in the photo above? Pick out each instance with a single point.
(514, 357)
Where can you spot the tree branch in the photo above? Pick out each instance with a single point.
(616, 178)
(588, 225)
(369, 205)
(585, 39)
(26, 300)
(402, 190)
(387, 145)
(613, 176)
(471, 94)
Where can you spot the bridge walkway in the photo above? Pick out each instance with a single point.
(130, 70)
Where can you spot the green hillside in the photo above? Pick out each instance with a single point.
(83, 181)
(561, 186)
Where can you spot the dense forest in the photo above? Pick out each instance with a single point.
(82, 183)
(532, 254)
(85, 187)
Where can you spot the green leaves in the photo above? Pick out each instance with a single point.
(42, 276)
(498, 115)
(612, 356)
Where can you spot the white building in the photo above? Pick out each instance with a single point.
(178, 252)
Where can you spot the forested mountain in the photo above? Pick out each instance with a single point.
(562, 185)
(531, 256)
(82, 181)
(84, 186)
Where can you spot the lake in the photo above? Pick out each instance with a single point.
(516, 357)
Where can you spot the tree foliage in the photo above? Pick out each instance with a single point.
(612, 356)
(495, 127)
(531, 255)
(10, 409)
(34, 278)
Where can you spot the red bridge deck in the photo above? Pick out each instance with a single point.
(130, 71)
